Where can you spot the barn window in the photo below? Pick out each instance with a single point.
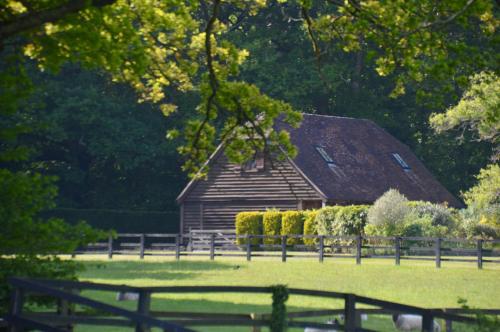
(324, 154)
(401, 161)
(254, 164)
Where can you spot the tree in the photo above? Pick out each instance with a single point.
(478, 111)
(153, 45)
(107, 150)
(487, 192)
(427, 42)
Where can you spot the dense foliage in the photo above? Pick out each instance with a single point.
(341, 221)
(248, 223)
(292, 222)
(350, 220)
(271, 225)
(391, 215)
(324, 219)
(310, 226)
(278, 321)
(389, 212)
(478, 111)
(35, 242)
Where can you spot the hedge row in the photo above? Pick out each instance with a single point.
(122, 221)
(335, 220)
(391, 215)
(249, 223)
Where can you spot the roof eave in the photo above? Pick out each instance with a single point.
(192, 183)
(308, 180)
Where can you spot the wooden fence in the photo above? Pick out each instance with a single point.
(67, 292)
(214, 244)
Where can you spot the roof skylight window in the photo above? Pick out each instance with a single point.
(324, 154)
(401, 161)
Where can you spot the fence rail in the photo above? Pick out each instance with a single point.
(218, 243)
(143, 318)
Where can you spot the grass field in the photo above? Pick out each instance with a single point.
(415, 283)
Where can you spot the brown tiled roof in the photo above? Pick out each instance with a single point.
(363, 165)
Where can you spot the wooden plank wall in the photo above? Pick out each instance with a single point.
(226, 181)
(221, 215)
(213, 203)
(191, 217)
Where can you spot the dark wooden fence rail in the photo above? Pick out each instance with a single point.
(143, 319)
(213, 244)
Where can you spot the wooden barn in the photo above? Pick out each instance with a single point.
(340, 161)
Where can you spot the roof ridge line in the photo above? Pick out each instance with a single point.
(335, 116)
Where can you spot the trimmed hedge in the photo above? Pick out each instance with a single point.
(249, 223)
(271, 223)
(310, 227)
(122, 221)
(418, 219)
(292, 222)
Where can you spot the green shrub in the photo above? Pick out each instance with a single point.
(249, 223)
(439, 214)
(388, 213)
(271, 223)
(471, 224)
(292, 222)
(422, 225)
(350, 220)
(325, 219)
(486, 192)
(372, 230)
(310, 226)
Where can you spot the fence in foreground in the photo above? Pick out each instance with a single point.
(214, 244)
(67, 295)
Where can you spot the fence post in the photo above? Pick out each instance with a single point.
(177, 247)
(427, 322)
(359, 241)
(249, 247)
(110, 246)
(141, 250)
(64, 310)
(283, 248)
(350, 313)
(255, 316)
(143, 307)
(479, 254)
(397, 244)
(321, 248)
(438, 252)
(448, 326)
(16, 307)
(212, 247)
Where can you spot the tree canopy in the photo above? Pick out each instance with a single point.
(158, 46)
(478, 110)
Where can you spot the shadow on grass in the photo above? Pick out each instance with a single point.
(126, 270)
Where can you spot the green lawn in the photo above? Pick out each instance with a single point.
(416, 283)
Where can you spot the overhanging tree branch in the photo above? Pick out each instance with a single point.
(35, 19)
(315, 44)
(211, 75)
